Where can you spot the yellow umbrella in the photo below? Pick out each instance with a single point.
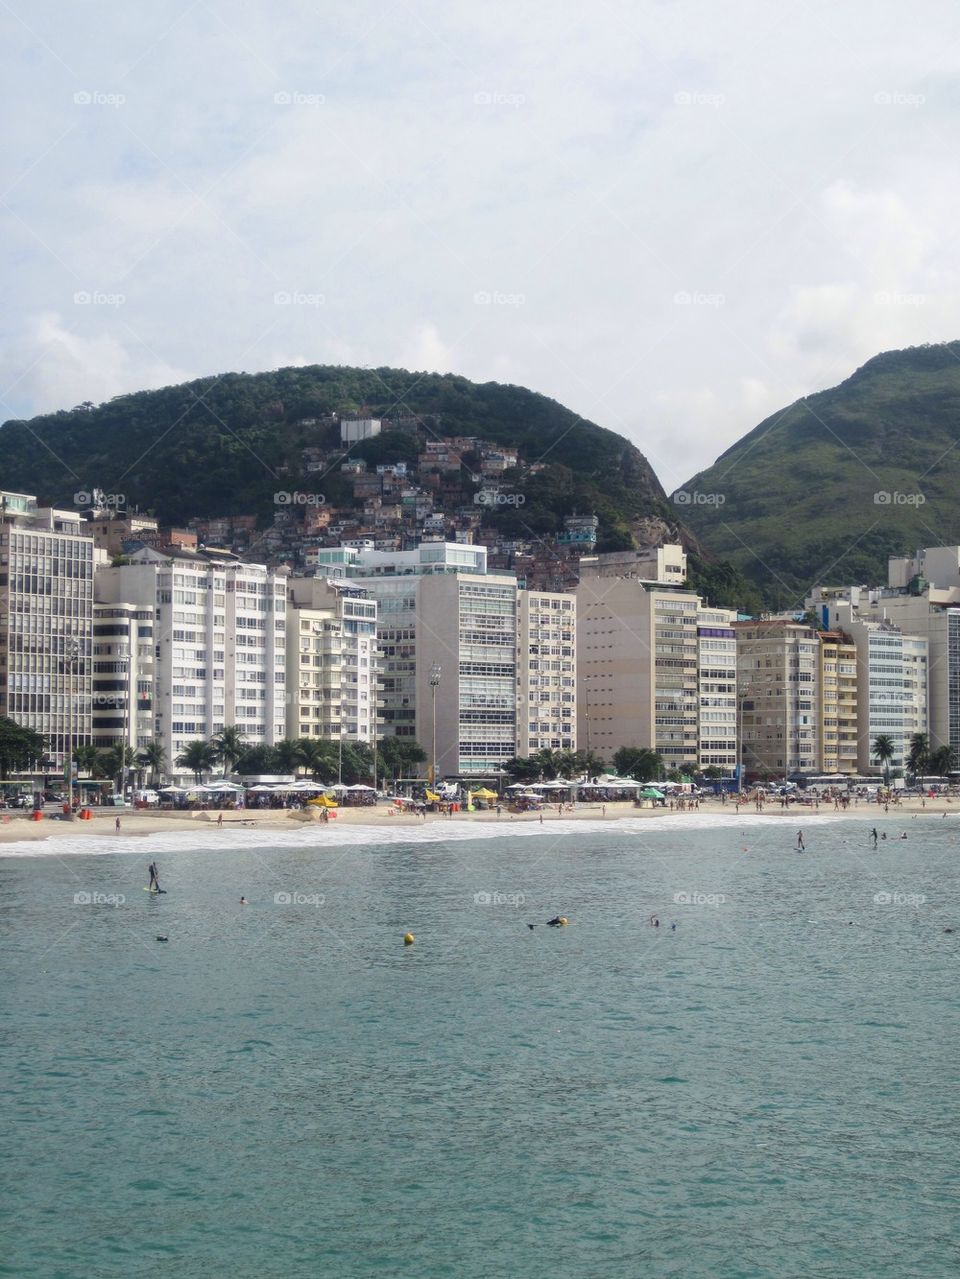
(483, 793)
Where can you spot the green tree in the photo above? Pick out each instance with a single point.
(883, 751)
(320, 758)
(154, 757)
(638, 762)
(86, 758)
(289, 754)
(520, 769)
(918, 760)
(399, 757)
(943, 760)
(259, 760)
(111, 763)
(20, 748)
(199, 757)
(229, 745)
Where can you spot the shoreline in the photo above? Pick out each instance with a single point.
(137, 823)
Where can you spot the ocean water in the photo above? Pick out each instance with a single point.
(285, 1089)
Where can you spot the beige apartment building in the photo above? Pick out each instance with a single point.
(778, 665)
(637, 658)
(331, 660)
(837, 689)
(717, 688)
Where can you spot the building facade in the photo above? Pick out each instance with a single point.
(331, 660)
(546, 672)
(717, 689)
(123, 675)
(777, 674)
(838, 730)
(219, 644)
(46, 622)
(637, 659)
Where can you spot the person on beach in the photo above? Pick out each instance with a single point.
(220, 819)
(801, 847)
(116, 826)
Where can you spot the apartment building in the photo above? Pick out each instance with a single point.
(331, 660)
(123, 675)
(778, 663)
(717, 688)
(46, 621)
(447, 632)
(637, 657)
(546, 672)
(837, 704)
(219, 643)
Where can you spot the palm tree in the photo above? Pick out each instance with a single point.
(229, 744)
(943, 760)
(884, 751)
(290, 755)
(199, 757)
(112, 763)
(154, 757)
(320, 757)
(918, 761)
(86, 757)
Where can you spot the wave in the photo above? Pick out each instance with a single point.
(216, 839)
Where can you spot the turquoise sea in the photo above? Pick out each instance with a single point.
(285, 1089)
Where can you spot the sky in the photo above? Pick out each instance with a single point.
(673, 217)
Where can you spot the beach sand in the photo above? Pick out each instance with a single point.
(19, 827)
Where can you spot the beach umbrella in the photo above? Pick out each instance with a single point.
(651, 793)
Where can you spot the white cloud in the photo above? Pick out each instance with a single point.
(598, 165)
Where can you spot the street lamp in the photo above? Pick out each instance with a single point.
(71, 661)
(434, 684)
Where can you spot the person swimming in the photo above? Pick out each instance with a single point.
(244, 902)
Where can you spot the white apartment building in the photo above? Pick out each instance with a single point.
(331, 660)
(46, 621)
(546, 672)
(442, 617)
(123, 675)
(219, 643)
(717, 688)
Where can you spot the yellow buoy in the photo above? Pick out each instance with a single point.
(563, 920)
(408, 939)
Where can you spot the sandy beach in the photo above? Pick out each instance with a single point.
(17, 828)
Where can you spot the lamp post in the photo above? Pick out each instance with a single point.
(434, 684)
(71, 661)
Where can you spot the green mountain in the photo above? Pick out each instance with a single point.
(223, 445)
(827, 489)
(218, 446)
